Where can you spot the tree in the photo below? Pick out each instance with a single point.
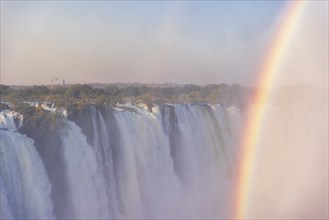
(3, 89)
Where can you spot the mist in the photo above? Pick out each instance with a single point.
(290, 177)
(147, 42)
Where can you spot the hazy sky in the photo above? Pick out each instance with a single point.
(149, 42)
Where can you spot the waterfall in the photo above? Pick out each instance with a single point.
(147, 183)
(86, 186)
(24, 185)
(167, 161)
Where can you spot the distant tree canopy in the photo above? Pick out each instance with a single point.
(112, 94)
(3, 89)
(79, 91)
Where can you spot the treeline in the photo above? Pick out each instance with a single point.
(111, 95)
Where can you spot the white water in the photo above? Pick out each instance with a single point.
(24, 185)
(10, 120)
(86, 187)
(191, 181)
(173, 162)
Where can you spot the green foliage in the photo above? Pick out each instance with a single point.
(36, 116)
(82, 94)
(3, 89)
(77, 99)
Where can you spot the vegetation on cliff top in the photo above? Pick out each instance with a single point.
(111, 94)
(76, 98)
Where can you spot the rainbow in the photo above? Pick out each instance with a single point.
(267, 74)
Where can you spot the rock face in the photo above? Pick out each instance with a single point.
(10, 120)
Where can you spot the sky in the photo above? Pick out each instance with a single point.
(145, 41)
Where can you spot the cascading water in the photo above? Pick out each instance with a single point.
(24, 185)
(86, 186)
(167, 161)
